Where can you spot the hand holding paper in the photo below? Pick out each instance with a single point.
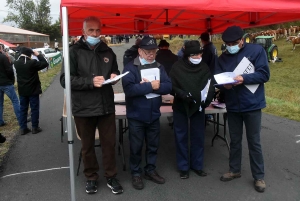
(225, 78)
(115, 78)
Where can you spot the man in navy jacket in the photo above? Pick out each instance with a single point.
(143, 113)
(243, 105)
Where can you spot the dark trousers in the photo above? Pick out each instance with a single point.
(197, 134)
(86, 128)
(34, 102)
(138, 132)
(252, 121)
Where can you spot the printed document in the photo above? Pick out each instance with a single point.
(115, 78)
(225, 78)
(151, 74)
(246, 67)
(204, 93)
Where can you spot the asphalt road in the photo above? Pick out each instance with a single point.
(37, 167)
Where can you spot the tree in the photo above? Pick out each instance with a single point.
(29, 15)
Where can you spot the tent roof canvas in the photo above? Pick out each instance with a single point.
(177, 16)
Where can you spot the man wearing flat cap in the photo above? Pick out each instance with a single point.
(189, 77)
(143, 112)
(244, 106)
(29, 88)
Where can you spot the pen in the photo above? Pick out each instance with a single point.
(154, 77)
(190, 95)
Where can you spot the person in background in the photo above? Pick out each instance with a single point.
(29, 88)
(242, 105)
(131, 53)
(180, 53)
(210, 53)
(143, 113)
(164, 56)
(189, 77)
(91, 63)
(7, 80)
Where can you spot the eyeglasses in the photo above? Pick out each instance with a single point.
(150, 52)
(192, 55)
(233, 43)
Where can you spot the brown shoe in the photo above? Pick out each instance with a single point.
(137, 182)
(154, 177)
(230, 176)
(260, 185)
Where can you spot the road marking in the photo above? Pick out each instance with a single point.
(29, 172)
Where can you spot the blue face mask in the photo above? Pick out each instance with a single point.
(233, 49)
(144, 61)
(92, 40)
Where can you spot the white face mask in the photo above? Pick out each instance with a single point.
(195, 61)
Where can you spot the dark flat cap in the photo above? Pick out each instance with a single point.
(27, 51)
(192, 47)
(163, 43)
(148, 43)
(232, 34)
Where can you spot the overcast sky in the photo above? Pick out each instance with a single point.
(54, 13)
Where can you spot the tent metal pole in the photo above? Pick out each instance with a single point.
(68, 98)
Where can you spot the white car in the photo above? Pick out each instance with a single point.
(48, 52)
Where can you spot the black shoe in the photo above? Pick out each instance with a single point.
(91, 186)
(114, 185)
(154, 177)
(2, 138)
(137, 182)
(3, 124)
(24, 131)
(200, 173)
(184, 174)
(36, 130)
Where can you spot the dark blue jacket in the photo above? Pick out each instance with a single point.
(240, 98)
(210, 56)
(138, 107)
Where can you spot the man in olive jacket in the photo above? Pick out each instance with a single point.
(29, 88)
(91, 63)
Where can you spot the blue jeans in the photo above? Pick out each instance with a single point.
(197, 135)
(34, 102)
(138, 133)
(9, 90)
(252, 121)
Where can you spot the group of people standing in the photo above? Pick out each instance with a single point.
(29, 86)
(92, 62)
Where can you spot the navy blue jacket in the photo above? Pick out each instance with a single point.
(239, 98)
(138, 107)
(210, 56)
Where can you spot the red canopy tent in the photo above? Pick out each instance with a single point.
(165, 17)
(179, 16)
(7, 44)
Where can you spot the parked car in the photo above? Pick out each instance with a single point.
(48, 52)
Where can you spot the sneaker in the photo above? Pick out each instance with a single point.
(260, 185)
(36, 130)
(184, 174)
(137, 182)
(114, 185)
(91, 187)
(230, 176)
(154, 177)
(24, 131)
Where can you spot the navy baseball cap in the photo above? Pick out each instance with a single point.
(148, 43)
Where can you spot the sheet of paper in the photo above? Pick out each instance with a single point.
(225, 78)
(151, 74)
(115, 78)
(246, 67)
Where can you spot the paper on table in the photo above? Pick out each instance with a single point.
(204, 93)
(115, 78)
(151, 74)
(246, 67)
(225, 78)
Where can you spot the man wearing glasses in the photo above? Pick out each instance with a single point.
(143, 112)
(244, 106)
